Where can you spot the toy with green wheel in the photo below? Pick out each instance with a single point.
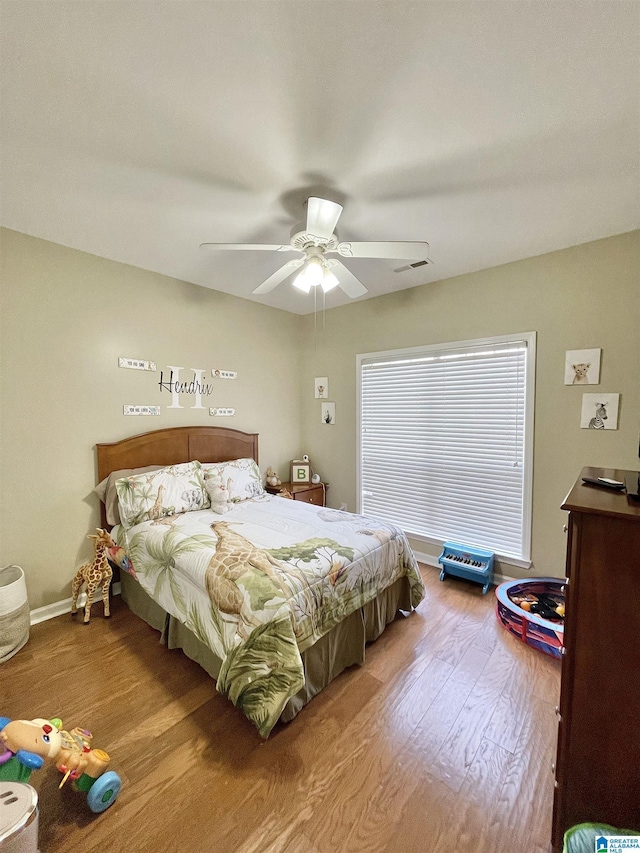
(25, 745)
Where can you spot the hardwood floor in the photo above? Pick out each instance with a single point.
(442, 742)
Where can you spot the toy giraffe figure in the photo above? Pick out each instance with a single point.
(95, 574)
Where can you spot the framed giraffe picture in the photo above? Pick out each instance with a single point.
(600, 411)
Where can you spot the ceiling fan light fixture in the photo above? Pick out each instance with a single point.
(301, 282)
(329, 281)
(312, 275)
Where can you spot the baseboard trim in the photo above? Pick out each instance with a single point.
(430, 560)
(58, 608)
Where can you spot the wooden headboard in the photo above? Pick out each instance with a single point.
(173, 445)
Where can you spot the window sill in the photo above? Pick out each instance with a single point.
(502, 559)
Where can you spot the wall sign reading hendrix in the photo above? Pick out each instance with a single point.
(197, 386)
(176, 385)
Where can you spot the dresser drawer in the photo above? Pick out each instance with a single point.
(311, 496)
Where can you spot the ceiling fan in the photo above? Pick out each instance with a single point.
(315, 243)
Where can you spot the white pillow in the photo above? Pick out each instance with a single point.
(242, 476)
(148, 497)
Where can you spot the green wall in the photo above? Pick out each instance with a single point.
(584, 297)
(67, 317)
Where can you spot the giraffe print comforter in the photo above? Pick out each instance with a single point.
(261, 583)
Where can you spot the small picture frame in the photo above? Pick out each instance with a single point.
(599, 411)
(300, 472)
(328, 413)
(582, 367)
(321, 387)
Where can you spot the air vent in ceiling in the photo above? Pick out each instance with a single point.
(413, 266)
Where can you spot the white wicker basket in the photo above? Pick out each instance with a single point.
(14, 612)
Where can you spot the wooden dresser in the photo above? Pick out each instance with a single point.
(310, 493)
(598, 756)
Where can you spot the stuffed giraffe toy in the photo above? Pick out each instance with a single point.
(95, 574)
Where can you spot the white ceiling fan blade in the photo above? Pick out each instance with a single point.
(403, 251)
(244, 247)
(322, 217)
(279, 276)
(352, 286)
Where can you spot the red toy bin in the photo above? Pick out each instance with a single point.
(545, 635)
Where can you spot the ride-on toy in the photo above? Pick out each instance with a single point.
(25, 745)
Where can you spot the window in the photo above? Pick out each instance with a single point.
(446, 442)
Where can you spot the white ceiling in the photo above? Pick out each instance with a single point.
(493, 130)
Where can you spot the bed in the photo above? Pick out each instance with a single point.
(275, 597)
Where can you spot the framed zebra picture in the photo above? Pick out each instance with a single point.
(600, 411)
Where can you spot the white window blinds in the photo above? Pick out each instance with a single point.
(445, 444)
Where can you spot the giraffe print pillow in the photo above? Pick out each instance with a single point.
(106, 490)
(242, 475)
(156, 494)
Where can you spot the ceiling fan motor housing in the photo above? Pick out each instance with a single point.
(301, 239)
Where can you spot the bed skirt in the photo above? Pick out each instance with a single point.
(342, 647)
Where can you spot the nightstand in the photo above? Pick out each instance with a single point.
(310, 493)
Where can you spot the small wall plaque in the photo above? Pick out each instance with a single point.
(218, 412)
(224, 374)
(137, 364)
(142, 410)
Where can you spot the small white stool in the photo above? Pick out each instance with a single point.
(18, 818)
